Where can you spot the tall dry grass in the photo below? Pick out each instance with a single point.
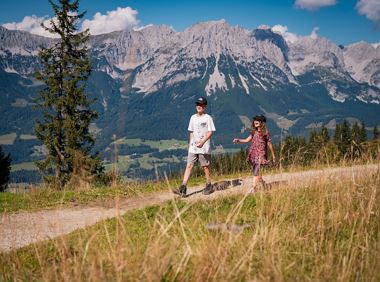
(326, 230)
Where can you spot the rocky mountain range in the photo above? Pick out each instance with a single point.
(145, 81)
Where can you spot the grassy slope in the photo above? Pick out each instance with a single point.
(44, 198)
(326, 230)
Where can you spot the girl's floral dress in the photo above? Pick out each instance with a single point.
(257, 153)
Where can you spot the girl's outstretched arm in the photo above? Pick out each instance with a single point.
(246, 140)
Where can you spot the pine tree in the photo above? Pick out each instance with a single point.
(314, 144)
(325, 135)
(294, 150)
(5, 167)
(375, 133)
(66, 112)
(317, 141)
(363, 133)
(342, 138)
(356, 140)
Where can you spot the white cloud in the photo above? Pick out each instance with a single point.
(138, 28)
(314, 33)
(370, 9)
(283, 30)
(375, 45)
(31, 24)
(292, 37)
(313, 5)
(119, 19)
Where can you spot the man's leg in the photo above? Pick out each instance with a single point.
(191, 160)
(187, 173)
(207, 171)
(205, 161)
(208, 189)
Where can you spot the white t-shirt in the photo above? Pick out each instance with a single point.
(199, 126)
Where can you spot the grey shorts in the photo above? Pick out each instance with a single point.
(204, 159)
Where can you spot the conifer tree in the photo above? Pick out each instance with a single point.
(294, 150)
(342, 138)
(325, 135)
(317, 141)
(363, 133)
(65, 107)
(356, 140)
(314, 144)
(375, 133)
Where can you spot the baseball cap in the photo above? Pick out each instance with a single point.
(202, 101)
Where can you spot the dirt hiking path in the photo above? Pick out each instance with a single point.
(23, 228)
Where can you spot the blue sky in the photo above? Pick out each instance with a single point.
(341, 21)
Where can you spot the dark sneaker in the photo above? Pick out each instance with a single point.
(208, 190)
(180, 191)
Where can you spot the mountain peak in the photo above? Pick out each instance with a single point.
(263, 27)
(210, 25)
(153, 28)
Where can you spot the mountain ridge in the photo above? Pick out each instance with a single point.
(145, 81)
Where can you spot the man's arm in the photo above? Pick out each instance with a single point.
(204, 139)
(190, 132)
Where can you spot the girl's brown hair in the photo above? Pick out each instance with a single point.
(263, 129)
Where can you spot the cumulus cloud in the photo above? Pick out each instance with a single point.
(313, 5)
(292, 37)
(283, 30)
(370, 9)
(119, 19)
(31, 24)
(314, 33)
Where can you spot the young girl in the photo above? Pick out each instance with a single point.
(257, 156)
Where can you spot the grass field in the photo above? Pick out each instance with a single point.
(8, 139)
(24, 166)
(28, 137)
(326, 230)
(160, 145)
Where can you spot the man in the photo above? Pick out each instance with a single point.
(201, 128)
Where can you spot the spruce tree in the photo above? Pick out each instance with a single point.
(356, 140)
(294, 151)
(375, 133)
(317, 141)
(325, 135)
(65, 107)
(5, 168)
(363, 133)
(342, 138)
(314, 145)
